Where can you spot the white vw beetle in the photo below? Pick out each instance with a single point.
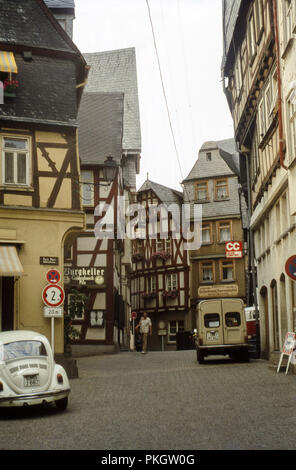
(28, 373)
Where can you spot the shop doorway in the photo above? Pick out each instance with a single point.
(6, 303)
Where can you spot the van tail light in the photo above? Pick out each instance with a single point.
(1, 387)
(60, 378)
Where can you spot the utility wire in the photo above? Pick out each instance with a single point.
(163, 88)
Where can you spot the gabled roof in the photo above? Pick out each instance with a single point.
(228, 164)
(100, 120)
(165, 194)
(116, 71)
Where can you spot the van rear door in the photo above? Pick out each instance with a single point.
(234, 321)
(211, 322)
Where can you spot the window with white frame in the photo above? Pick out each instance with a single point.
(151, 284)
(174, 327)
(291, 126)
(172, 281)
(289, 21)
(259, 19)
(16, 161)
(251, 38)
(238, 75)
(87, 180)
(255, 163)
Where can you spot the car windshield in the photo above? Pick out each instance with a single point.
(19, 349)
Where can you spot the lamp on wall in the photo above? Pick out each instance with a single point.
(109, 170)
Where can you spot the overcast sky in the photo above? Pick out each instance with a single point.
(189, 41)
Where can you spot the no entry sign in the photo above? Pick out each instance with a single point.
(53, 296)
(291, 267)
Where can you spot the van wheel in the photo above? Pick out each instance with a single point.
(200, 357)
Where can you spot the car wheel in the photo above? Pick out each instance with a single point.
(62, 404)
(200, 357)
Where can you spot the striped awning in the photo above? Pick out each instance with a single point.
(10, 264)
(7, 62)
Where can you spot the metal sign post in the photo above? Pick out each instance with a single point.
(53, 297)
(132, 345)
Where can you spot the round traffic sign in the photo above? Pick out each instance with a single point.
(53, 276)
(291, 267)
(53, 295)
(134, 315)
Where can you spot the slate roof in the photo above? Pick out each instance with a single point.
(116, 71)
(100, 119)
(165, 194)
(60, 3)
(47, 84)
(23, 23)
(230, 14)
(46, 93)
(229, 164)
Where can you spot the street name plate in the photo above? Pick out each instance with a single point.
(53, 312)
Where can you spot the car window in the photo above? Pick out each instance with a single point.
(212, 320)
(19, 349)
(232, 319)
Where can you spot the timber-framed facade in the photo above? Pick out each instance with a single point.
(160, 275)
(39, 203)
(259, 43)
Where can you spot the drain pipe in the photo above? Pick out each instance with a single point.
(278, 61)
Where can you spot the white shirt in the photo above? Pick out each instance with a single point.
(145, 324)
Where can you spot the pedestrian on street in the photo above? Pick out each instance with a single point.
(145, 326)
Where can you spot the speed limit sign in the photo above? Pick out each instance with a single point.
(53, 295)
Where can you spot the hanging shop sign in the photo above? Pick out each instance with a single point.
(234, 249)
(84, 276)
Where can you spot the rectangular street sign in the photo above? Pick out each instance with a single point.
(53, 312)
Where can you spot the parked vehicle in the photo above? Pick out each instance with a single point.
(221, 329)
(28, 373)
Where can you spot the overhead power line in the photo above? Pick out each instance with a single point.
(163, 89)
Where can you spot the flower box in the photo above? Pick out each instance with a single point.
(10, 87)
(164, 255)
(149, 295)
(137, 257)
(170, 294)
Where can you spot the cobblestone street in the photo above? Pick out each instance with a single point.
(162, 401)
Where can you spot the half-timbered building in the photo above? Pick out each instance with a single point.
(109, 134)
(160, 275)
(43, 74)
(258, 75)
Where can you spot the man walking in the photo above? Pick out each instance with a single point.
(145, 326)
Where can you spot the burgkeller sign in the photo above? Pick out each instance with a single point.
(84, 276)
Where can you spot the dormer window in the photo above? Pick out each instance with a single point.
(208, 157)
